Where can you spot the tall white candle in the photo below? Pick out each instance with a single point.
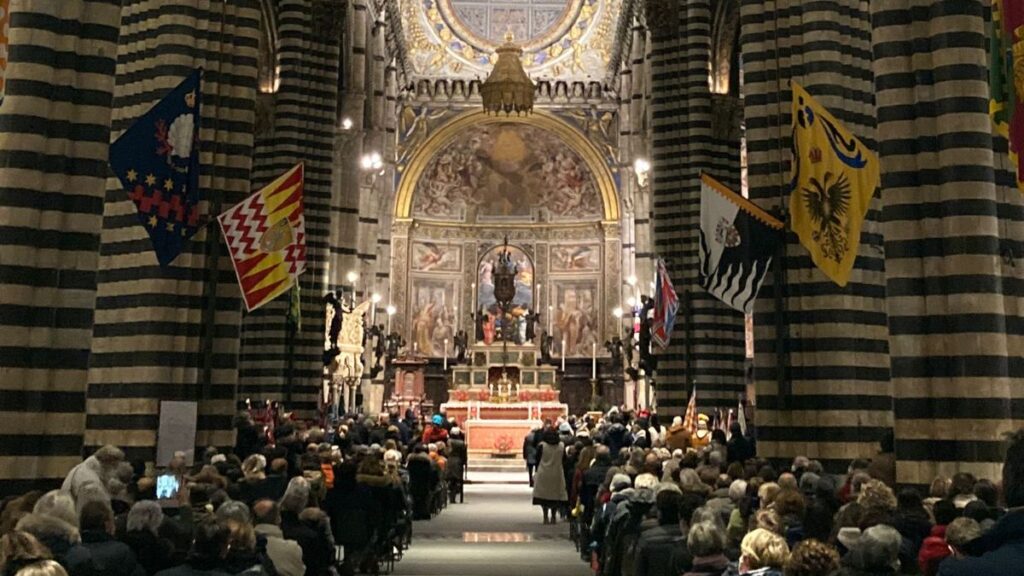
(389, 324)
(551, 313)
(563, 354)
(446, 354)
(593, 360)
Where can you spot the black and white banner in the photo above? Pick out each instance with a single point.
(737, 243)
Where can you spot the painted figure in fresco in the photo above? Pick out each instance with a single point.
(423, 328)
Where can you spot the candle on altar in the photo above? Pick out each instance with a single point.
(415, 345)
(563, 354)
(389, 324)
(551, 314)
(445, 354)
(593, 360)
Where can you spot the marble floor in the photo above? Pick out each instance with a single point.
(497, 532)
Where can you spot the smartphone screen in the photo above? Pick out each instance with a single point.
(167, 486)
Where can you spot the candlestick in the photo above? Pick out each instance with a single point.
(593, 360)
(445, 354)
(563, 354)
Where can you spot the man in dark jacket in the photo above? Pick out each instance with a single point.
(100, 553)
(662, 551)
(1001, 549)
(530, 452)
(739, 448)
(592, 481)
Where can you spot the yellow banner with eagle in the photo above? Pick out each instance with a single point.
(834, 178)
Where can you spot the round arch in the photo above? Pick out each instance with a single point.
(447, 133)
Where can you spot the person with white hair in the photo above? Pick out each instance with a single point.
(95, 469)
(143, 537)
(57, 504)
(671, 465)
(678, 436)
(295, 501)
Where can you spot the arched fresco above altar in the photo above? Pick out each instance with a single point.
(507, 172)
(560, 37)
(481, 169)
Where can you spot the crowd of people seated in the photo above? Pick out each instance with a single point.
(299, 501)
(646, 500)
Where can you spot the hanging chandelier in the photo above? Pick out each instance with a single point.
(508, 89)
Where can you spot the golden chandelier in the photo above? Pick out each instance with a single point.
(508, 89)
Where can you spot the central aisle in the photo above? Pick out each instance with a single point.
(497, 532)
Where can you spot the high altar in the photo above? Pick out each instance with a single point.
(501, 395)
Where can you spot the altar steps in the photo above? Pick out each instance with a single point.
(483, 469)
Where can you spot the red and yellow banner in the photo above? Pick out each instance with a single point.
(266, 235)
(1007, 78)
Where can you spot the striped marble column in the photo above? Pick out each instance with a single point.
(707, 344)
(173, 334)
(953, 229)
(275, 365)
(833, 399)
(54, 133)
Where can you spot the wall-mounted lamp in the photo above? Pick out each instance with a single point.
(642, 169)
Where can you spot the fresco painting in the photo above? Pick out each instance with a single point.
(436, 257)
(575, 257)
(432, 317)
(505, 172)
(575, 317)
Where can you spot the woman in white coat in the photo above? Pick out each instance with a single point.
(549, 480)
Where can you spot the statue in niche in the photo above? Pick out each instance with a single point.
(546, 341)
(614, 347)
(629, 344)
(461, 344)
(532, 318)
(479, 319)
(395, 343)
(648, 361)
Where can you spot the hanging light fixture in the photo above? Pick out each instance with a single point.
(508, 89)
